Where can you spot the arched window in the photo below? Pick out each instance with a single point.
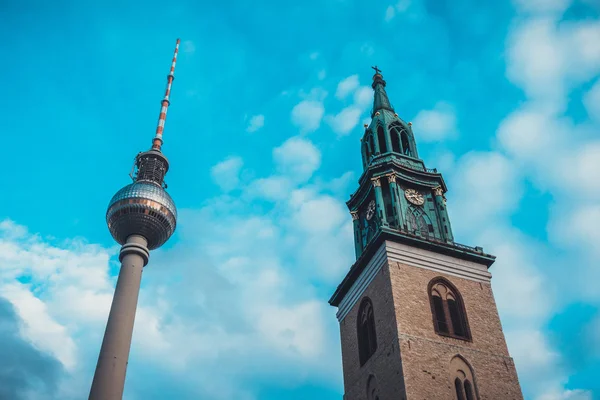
(381, 140)
(418, 222)
(367, 340)
(372, 388)
(366, 152)
(449, 315)
(464, 379)
(401, 142)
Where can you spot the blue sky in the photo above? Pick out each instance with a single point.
(263, 138)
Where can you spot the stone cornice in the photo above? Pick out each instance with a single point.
(447, 258)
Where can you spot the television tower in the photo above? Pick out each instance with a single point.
(141, 217)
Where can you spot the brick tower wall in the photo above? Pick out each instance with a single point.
(411, 360)
(426, 355)
(385, 363)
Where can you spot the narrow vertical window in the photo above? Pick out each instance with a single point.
(405, 144)
(367, 153)
(459, 389)
(440, 315)
(381, 140)
(367, 338)
(396, 141)
(372, 388)
(387, 202)
(469, 390)
(457, 323)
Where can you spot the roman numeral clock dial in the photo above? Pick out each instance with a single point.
(414, 197)
(370, 210)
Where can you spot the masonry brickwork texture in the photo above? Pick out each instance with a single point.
(412, 361)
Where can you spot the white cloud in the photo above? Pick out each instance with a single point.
(39, 326)
(548, 59)
(314, 56)
(256, 122)
(307, 115)
(445, 161)
(585, 163)
(400, 7)
(535, 60)
(319, 214)
(536, 144)
(330, 233)
(531, 350)
(345, 121)
(591, 100)
(236, 302)
(322, 74)
(363, 97)
(56, 274)
(390, 13)
(437, 124)
(297, 158)
(10, 230)
(367, 49)
(341, 184)
(189, 47)
(315, 94)
(346, 87)
(273, 188)
(285, 328)
(226, 173)
(530, 135)
(560, 394)
(486, 190)
(542, 6)
(578, 228)
(526, 298)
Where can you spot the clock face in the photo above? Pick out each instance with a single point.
(370, 210)
(414, 197)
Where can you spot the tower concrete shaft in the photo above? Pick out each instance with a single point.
(109, 378)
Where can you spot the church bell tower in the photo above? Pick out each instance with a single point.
(417, 315)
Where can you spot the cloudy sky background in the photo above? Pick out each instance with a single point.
(263, 137)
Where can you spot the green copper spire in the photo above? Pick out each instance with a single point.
(381, 101)
(398, 198)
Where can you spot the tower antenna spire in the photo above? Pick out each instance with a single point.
(157, 141)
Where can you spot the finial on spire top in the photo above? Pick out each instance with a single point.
(380, 101)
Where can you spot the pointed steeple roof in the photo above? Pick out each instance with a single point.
(380, 100)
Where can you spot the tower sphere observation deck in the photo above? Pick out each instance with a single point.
(142, 208)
